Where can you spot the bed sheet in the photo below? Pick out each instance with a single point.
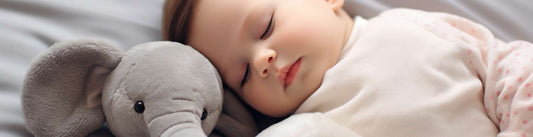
(29, 27)
(507, 19)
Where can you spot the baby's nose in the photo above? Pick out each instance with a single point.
(269, 62)
(263, 62)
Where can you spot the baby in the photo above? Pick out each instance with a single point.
(402, 73)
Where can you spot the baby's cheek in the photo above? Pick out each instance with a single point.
(297, 34)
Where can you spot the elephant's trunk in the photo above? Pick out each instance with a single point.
(184, 132)
(182, 124)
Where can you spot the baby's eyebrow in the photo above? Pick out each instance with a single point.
(251, 17)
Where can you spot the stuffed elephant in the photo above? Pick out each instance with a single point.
(155, 89)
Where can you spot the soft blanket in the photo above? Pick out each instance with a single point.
(413, 73)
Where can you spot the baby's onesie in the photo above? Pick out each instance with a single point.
(417, 74)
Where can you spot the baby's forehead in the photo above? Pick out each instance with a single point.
(217, 20)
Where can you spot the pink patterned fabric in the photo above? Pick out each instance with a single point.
(508, 67)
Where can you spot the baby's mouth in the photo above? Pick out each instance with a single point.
(288, 73)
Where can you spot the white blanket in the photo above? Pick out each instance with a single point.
(410, 73)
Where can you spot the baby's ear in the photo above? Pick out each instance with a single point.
(63, 88)
(335, 4)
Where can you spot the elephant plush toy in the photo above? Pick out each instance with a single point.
(155, 89)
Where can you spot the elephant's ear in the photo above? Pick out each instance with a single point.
(62, 90)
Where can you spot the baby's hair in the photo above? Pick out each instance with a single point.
(176, 20)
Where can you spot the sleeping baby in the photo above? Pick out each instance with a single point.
(402, 73)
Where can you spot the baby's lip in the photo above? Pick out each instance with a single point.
(286, 74)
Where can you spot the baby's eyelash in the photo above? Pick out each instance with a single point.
(245, 74)
(269, 28)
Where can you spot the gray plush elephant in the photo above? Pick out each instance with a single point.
(155, 89)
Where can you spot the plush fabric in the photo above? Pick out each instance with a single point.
(76, 86)
(53, 90)
(236, 119)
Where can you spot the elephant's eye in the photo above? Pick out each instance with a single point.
(204, 114)
(139, 107)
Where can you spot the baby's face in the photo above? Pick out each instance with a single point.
(272, 53)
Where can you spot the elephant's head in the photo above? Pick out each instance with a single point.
(155, 89)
